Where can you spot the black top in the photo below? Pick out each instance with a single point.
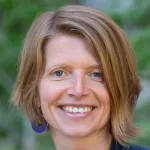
(116, 146)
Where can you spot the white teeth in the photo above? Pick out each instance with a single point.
(81, 110)
(70, 109)
(85, 109)
(77, 109)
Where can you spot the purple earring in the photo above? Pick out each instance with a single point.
(39, 128)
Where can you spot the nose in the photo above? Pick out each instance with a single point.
(78, 87)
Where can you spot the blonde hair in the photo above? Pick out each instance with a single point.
(112, 48)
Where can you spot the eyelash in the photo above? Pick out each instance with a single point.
(99, 77)
(99, 73)
(62, 71)
(56, 71)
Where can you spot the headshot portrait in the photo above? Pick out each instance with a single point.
(77, 80)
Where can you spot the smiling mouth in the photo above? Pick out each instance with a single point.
(75, 109)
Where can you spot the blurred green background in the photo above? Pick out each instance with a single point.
(16, 17)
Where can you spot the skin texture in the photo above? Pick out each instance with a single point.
(72, 75)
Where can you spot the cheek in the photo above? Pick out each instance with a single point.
(50, 92)
(104, 98)
(102, 95)
(104, 102)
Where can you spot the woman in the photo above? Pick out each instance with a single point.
(77, 78)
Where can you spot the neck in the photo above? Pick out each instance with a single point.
(96, 141)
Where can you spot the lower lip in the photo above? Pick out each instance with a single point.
(78, 115)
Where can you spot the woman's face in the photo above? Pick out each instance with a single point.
(73, 96)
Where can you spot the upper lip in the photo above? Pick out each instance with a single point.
(77, 105)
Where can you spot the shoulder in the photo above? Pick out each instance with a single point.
(116, 146)
(136, 147)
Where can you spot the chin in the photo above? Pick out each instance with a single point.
(78, 133)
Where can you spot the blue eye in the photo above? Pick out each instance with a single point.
(58, 73)
(97, 74)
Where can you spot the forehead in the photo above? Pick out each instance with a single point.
(67, 48)
(62, 39)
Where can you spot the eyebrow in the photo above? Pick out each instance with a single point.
(97, 66)
(64, 65)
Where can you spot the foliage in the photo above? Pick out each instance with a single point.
(137, 26)
(142, 120)
(144, 139)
